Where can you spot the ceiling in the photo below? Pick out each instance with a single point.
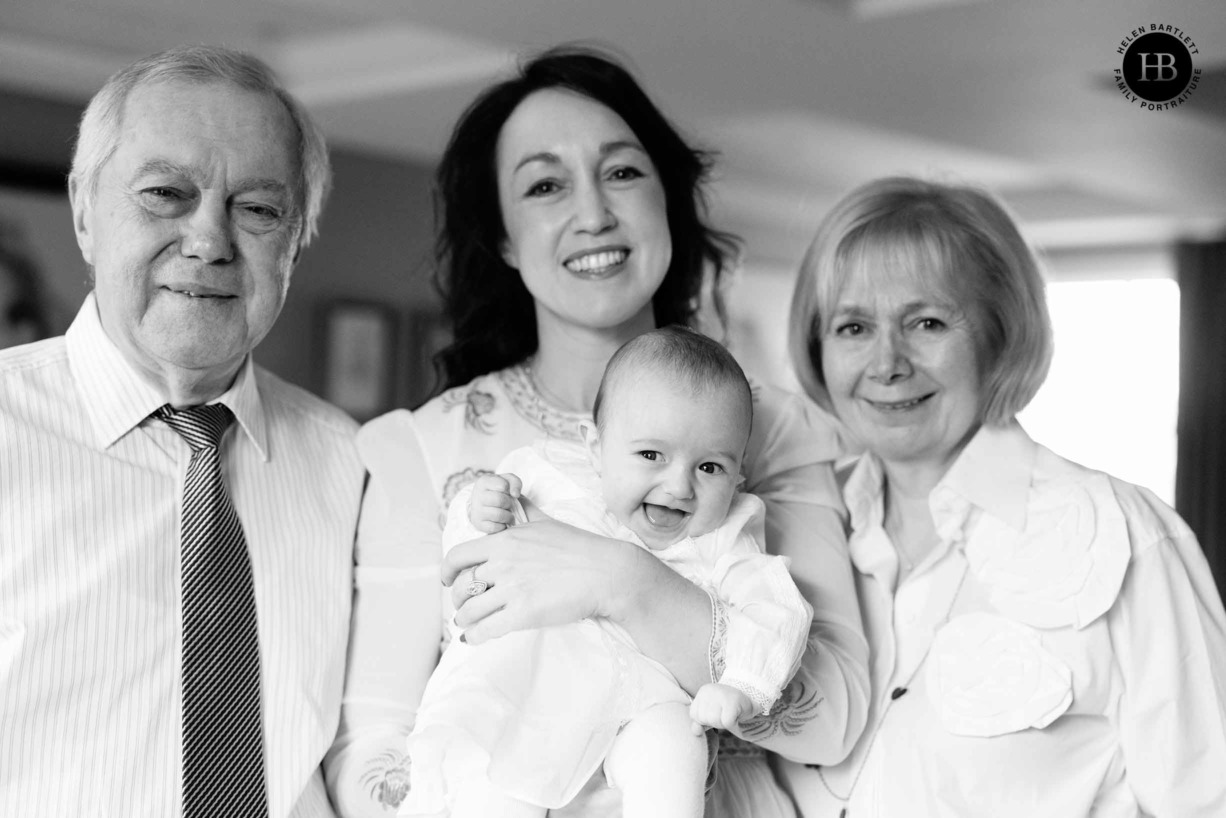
(801, 98)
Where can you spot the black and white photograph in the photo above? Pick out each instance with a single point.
(656, 409)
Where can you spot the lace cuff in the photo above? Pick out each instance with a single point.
(761, 701)
(719, 637)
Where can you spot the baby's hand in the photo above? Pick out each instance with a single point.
(721, 706)
(489, 506)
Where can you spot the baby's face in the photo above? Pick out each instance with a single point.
(670, 461)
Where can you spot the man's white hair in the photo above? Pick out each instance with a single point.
(102, 122)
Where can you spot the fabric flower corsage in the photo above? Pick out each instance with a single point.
(1067, 566)
(988, 675)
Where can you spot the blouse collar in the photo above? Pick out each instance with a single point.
(992, 473)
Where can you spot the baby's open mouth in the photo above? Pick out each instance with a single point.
(663, 516)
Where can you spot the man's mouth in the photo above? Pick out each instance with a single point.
(663, 516)
(202, 292)
(597, 263)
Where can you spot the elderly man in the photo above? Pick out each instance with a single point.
(176, 524)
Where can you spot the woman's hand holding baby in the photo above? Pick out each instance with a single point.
(491, 504)
(719, 706)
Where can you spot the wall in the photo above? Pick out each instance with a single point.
(374, 243)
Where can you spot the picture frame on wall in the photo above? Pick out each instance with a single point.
(359, 339)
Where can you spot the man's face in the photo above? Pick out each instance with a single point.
(193, 227)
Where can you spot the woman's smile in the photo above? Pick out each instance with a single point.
(898, 405)
(598, 263)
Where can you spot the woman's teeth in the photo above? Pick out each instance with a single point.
(900, 405)
(594, 262)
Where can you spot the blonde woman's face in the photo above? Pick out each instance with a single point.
(900, 361)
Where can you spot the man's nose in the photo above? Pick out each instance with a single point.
(207, 233)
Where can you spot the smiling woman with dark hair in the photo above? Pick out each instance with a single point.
(573, 220)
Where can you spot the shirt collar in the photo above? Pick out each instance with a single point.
(993, 473)
(117, 398)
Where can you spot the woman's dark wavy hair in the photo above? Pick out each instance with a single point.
(491, 313)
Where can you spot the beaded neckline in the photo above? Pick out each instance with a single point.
(528, 402)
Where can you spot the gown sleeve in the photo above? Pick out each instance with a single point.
(396, 627)
(789, 465)
(766, 637)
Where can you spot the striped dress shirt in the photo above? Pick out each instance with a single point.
(90, 604)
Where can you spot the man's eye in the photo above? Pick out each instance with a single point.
(930, 323)
(165, 201)
(259, 212)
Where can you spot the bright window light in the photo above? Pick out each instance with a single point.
(1112, 397)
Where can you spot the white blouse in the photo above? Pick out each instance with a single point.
(1062, 652)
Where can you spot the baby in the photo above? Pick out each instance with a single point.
(519, 724)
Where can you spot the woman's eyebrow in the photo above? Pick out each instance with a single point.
(616, 145)
(606, 149)
(548, 157)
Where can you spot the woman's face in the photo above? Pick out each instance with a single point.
(584, 212)
(901, 364)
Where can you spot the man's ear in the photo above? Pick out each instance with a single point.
(82, 207)
(591, 438)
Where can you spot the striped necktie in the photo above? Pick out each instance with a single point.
(223, 756)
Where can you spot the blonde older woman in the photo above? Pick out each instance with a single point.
(1047, 639)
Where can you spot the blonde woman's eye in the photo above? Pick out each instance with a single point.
(851, 328)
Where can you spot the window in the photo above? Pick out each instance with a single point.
(1112, 397)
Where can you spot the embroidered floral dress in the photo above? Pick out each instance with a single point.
(466, 432)
(1061, 653)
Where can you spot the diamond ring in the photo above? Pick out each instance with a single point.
(476, 587)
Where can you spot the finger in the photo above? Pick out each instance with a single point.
(490, 482)
(697, 729)
(466, 555)
(489, 526)
(514, 484)
(492, 499)
(471, 610)
(489, 514)
(499, 621)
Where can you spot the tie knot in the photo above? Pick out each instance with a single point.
(201, 426)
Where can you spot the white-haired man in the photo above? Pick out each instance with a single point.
(176, 524)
